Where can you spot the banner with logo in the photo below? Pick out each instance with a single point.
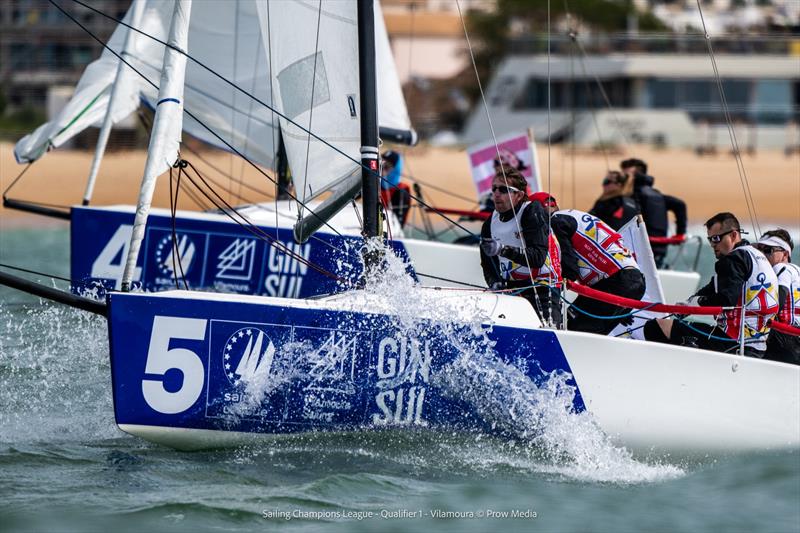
(517, 150)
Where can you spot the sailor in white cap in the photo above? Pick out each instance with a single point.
(777, 246)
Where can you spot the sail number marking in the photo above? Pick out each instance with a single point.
(161, 359)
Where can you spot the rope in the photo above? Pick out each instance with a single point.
(173, 206)
(258, 232)
(36, 272)
(24, 170)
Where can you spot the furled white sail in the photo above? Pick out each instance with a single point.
(121, 81)
(88, 105)
(167, 127)
(314, 48)
(224, 37)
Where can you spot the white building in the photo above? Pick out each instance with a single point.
(665, 99)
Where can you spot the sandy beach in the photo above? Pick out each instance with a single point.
(708, 185)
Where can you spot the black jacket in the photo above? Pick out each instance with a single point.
(732, 272)
(534, 234)
(678, 208)
(615, 211)
(652, 205)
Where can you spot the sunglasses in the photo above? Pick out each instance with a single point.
(609, 181)
(504, 189)
(716, 239)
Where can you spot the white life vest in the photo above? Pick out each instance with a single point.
(789, 277)
(601, 251)
(508, 233)
(760, 299)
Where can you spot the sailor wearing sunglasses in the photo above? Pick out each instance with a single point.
(744, 278)
(517, 248)
(777, 246)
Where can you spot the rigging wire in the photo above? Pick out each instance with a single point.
(491, 129)
(306, 188)
(36, 272)
(173, 205)
(234, 85)
(255, 230)
(751, 208)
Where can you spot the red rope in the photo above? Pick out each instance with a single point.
(785, 328)
(675, 239)
(477, 215)
(636, 304)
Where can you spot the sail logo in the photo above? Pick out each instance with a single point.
(403, 372)
(287, 264)
(331, 368)
(237, 259)
(248, 356)
(175, 255)
(333, 365)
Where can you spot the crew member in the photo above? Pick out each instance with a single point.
(654, 206)
(616, 206)
(395, 195)
(777, 246)
(595, 255)
(518, 249)
(744, 278)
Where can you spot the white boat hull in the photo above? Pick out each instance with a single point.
(653, 399)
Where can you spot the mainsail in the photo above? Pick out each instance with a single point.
(236, 41)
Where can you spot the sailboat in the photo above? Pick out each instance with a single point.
(357, 360)
(194, 369)
(251, 249)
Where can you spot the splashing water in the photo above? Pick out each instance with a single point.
(54, 387)
(538, 416)
(54, 375)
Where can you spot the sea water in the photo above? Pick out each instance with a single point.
(64, 466)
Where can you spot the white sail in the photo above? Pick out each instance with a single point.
(392, 111)
(121, 81)
(231, 40)
(88, 105)
(314, 50)
(224, 37)
(167, 127)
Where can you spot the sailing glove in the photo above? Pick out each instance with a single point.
(491, 246)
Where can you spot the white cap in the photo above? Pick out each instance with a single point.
(777, 242)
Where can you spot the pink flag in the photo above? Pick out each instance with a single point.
(517, 150)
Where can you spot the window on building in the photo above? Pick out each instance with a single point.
(579, 94)
(773, 101)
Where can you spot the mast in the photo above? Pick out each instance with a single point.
(370, 180)
(167, 126)
(116, 88)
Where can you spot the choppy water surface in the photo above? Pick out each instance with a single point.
(64, 466)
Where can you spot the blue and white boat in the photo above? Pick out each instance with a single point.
(194, 369)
